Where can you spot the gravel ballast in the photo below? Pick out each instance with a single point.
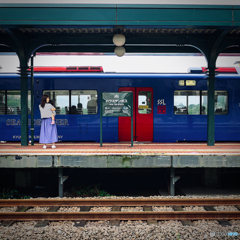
(127, 229)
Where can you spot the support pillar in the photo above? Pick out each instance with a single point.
(32, 103)
(61, 180)
(211, 107)
(24, 105)
(173, 180)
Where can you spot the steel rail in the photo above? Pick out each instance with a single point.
(60, 216)
(118, 202)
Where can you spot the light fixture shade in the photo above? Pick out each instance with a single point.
(119, 39)
(119, 51)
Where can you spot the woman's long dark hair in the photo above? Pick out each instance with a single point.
(44, 100)
(51, 102)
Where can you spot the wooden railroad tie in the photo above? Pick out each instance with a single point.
(223, 222)
(115, 222)
(82, 223)
(8, 223)
(184, 222)
(46, 222)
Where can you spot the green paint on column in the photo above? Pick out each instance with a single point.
(211, 112)
(24, 107)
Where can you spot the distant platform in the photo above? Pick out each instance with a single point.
(120, 155)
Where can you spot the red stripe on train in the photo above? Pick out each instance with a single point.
(68, 69)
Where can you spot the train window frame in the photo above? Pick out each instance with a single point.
(89, 110)
(187, 94)
(218, 111)
(68, 107)
(3, 100)
(14, 110)
(145, 107)
(203, 107)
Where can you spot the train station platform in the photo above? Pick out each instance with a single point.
(120, 155)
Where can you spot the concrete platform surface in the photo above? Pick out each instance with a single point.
(117, 155)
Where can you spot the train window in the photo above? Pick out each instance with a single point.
(187, 102)
(13, 103)
(180, 102)
(204, 103)
(144, 102)
(10, 102)
(60, 99)
(221, 102)
(84, 102)
(2, 103)
(193, 102)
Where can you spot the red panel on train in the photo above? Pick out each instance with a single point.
(142, 116)
(84, 69)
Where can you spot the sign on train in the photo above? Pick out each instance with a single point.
(116, 104)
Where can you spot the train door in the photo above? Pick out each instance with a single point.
(142, 116)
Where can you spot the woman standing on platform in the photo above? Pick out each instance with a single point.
(48, 132)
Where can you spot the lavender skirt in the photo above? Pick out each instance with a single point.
(48, 132)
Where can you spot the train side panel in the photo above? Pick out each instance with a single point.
(167, 126)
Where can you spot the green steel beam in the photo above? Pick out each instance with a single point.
(19, 15)
(237, 17)
(24, 106)
(95, 39)
(210, 108)
(35, 16)
(54, 5)
(32, 102)
(141, 43)
(129, 49)
(176, 16)
(175, 6)
(148, 43)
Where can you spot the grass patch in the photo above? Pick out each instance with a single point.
(93, 190)
(12, 194)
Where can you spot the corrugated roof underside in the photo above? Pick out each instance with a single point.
(163, 31)
(112, 30)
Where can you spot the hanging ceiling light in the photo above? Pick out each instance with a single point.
(119, 51)
(119, 39)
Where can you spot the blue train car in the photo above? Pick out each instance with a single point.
(167, 107)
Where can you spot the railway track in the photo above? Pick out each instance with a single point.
(84, 214)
